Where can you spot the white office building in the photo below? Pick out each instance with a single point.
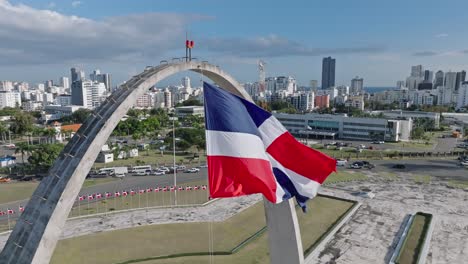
(402, 114)
(356, 101)
(344, 127)
(65, 82)
(9, 99)
(63, 100)
(145, 101)
(6, 86)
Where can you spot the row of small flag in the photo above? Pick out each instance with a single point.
(11, 211)
(140, 191)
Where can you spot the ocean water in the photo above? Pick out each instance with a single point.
(378, 89)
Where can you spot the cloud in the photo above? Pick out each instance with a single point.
(441, 35)
(51, 5)
(276, 46)
(426, 53)
(33, 36)
(76, 3)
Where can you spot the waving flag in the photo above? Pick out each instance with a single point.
(81, 197)
(98, 196)
(21, 208)
(117, 194)
(108, 194)
(249, 151)
(10, 211)
(90, 197)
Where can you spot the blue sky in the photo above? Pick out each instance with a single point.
(377, 40)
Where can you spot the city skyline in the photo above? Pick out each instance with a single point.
(41, 41)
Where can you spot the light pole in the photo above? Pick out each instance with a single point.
(174, 165)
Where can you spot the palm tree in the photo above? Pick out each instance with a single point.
(3, 131)
(23, 148)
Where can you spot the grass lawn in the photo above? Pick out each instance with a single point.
(14, 191)
(145, 242)
(412, 246)
(154, 158)
(458, 184)
(422, 179)
(348, 175)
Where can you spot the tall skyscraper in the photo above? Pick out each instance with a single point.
(64, 82)
(428, 76)
(328, 72)
(417, 71)
(460, 79)
(357, 85)
(439, 79)
(77, 75)
(167, 99)
(313, 85)
(97, 76)
(450, 81)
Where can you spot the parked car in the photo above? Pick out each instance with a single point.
(142, 173)
(341, 162)
(165, 169)
(192, 170)
(158, 173)
(119, 175)
(362, 164)
(378, 142)
(204, 166)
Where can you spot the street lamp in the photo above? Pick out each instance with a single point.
(174, 165)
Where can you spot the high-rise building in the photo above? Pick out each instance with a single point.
(64, 82)
(186, 84)
(322, 101)
(287, 84)
(460, 79)
(48, 84)
(412, 82)
(105, 78)
(77, 75)
(88, 93)
(303, 101)
(400, 84)
(9, 99)
(439, 79)
(450, 81)
(417, 71)
(313, 85)
(6, 86)
(357, 85)
(167, 99)
(328, 72)
(462, 101)
(428, 76)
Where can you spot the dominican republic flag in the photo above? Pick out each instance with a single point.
(81, 197)
(21, 208)
(249, 151)
(156, 189)
(124, 193)
(203, 187)
(148, 190)
(10, 211)
(141, 191)
(188, 188)
(117, 194)
(98, 196)
(90, 197)
(180, 188)
(108, 194)
(132, 192)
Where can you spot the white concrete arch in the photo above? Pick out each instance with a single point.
(35, 235)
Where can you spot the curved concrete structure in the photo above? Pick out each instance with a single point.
(35, 235)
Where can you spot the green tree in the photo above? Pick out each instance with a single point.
(417, 133)
(23, 148)
(22, 123)
(78, 117)
(43, 156)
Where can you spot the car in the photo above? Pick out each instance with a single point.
(192, 170)
(165, 169)
(341, 162)
(203, 166)
(119, 175)
(356, 165)
(399, 166)
(464, 163)
(142, 173)
(362, 146)
(158, 173)
(378, 142)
